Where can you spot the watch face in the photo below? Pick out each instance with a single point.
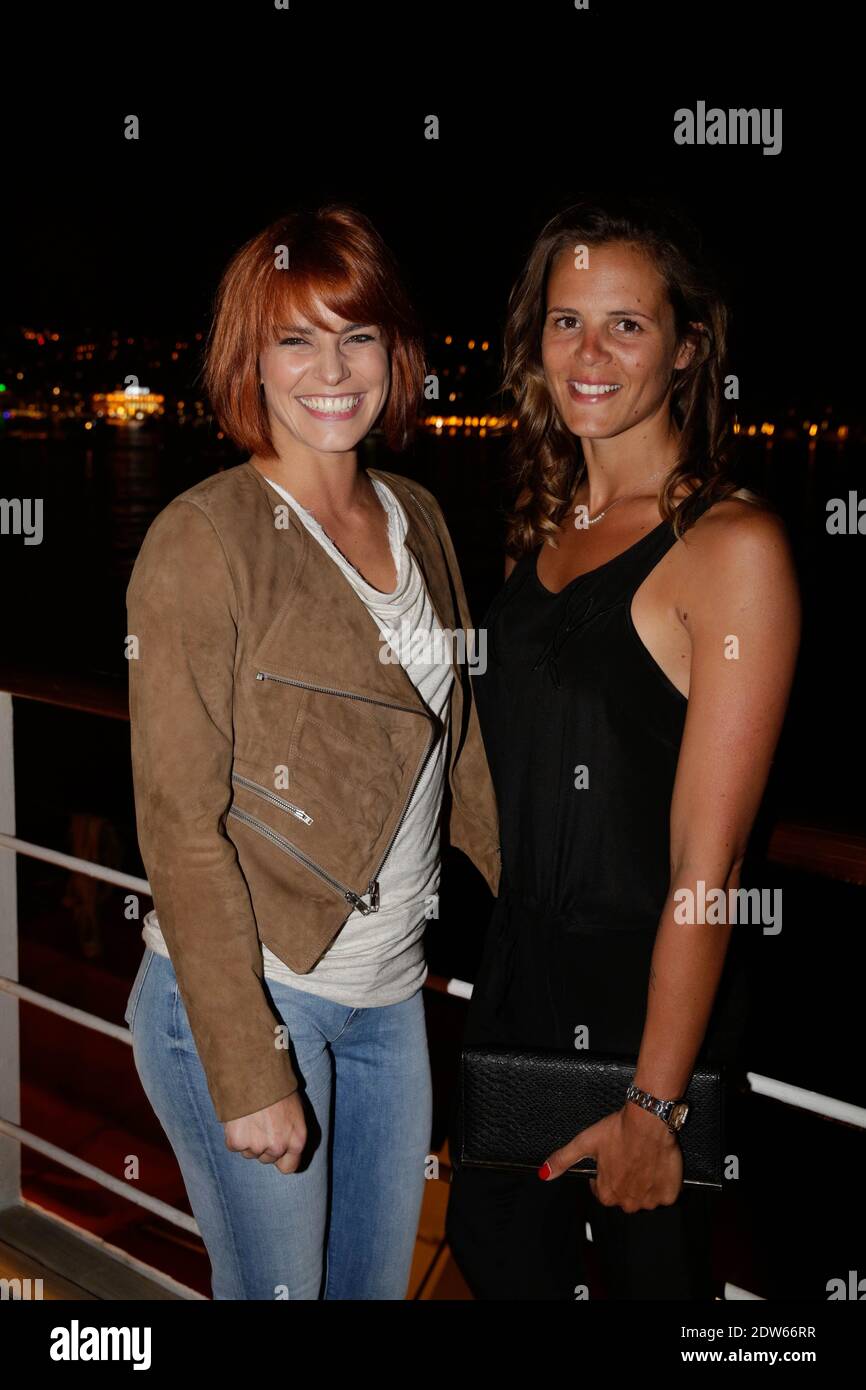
(678, 1115)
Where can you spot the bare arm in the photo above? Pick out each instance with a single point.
(739, 583)
(740, 606)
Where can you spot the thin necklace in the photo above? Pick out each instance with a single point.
(594, 520)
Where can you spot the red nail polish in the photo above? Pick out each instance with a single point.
(545, 1170)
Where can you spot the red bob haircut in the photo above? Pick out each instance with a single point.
(334, 254)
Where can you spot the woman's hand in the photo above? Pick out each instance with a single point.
(639, 1163)
(276, 1134)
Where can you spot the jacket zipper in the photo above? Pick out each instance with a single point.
(432, 526)
(272, 796)
(373, 886)
(286, 845)
(375, 879)
(421, 507)
(329, 690)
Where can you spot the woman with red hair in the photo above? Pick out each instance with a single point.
(293, 764)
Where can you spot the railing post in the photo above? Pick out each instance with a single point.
(10, 1052)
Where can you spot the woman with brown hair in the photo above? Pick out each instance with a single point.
(639, 661)
(293, 765)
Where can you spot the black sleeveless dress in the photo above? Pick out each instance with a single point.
(582, 731)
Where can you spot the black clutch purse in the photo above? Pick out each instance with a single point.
(514, 1108)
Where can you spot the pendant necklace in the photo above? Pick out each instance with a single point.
(593, 521)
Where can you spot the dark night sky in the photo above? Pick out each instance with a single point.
(107, 232)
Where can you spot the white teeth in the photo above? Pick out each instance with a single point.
(330, 405)
(592, 390)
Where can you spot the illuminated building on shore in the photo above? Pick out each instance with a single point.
(127, 407)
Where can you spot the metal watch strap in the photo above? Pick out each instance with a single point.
(662, 1108)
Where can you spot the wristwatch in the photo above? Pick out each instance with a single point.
(673, 1112)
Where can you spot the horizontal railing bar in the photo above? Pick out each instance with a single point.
(114, 1252)
(828, 1107)
(74, 864)
(102, 695)
(68, 1011)
(835, 854)
(97, 1175)
(809, 848)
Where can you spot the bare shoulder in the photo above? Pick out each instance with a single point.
(738, 536)
(736, 568)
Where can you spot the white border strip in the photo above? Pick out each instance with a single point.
(78, 866)
(733, 1294)
(98, 1175)
(55, 1006)
(156, 1276)
(827, 1106)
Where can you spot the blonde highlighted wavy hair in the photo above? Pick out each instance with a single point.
(545, 460)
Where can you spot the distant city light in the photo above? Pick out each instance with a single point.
(83, 365)
(118, 409)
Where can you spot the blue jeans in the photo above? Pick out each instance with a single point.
(343, 1226)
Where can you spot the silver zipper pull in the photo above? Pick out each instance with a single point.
(373, 890)
(358, 903)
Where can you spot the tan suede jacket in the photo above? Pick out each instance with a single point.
(274, 753)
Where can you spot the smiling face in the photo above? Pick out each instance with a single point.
(609, 345)
(325, 387)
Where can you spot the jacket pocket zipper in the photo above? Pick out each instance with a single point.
(286, 845)
(272, 796)
(329, 690)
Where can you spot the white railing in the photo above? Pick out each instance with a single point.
(12, 1135)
